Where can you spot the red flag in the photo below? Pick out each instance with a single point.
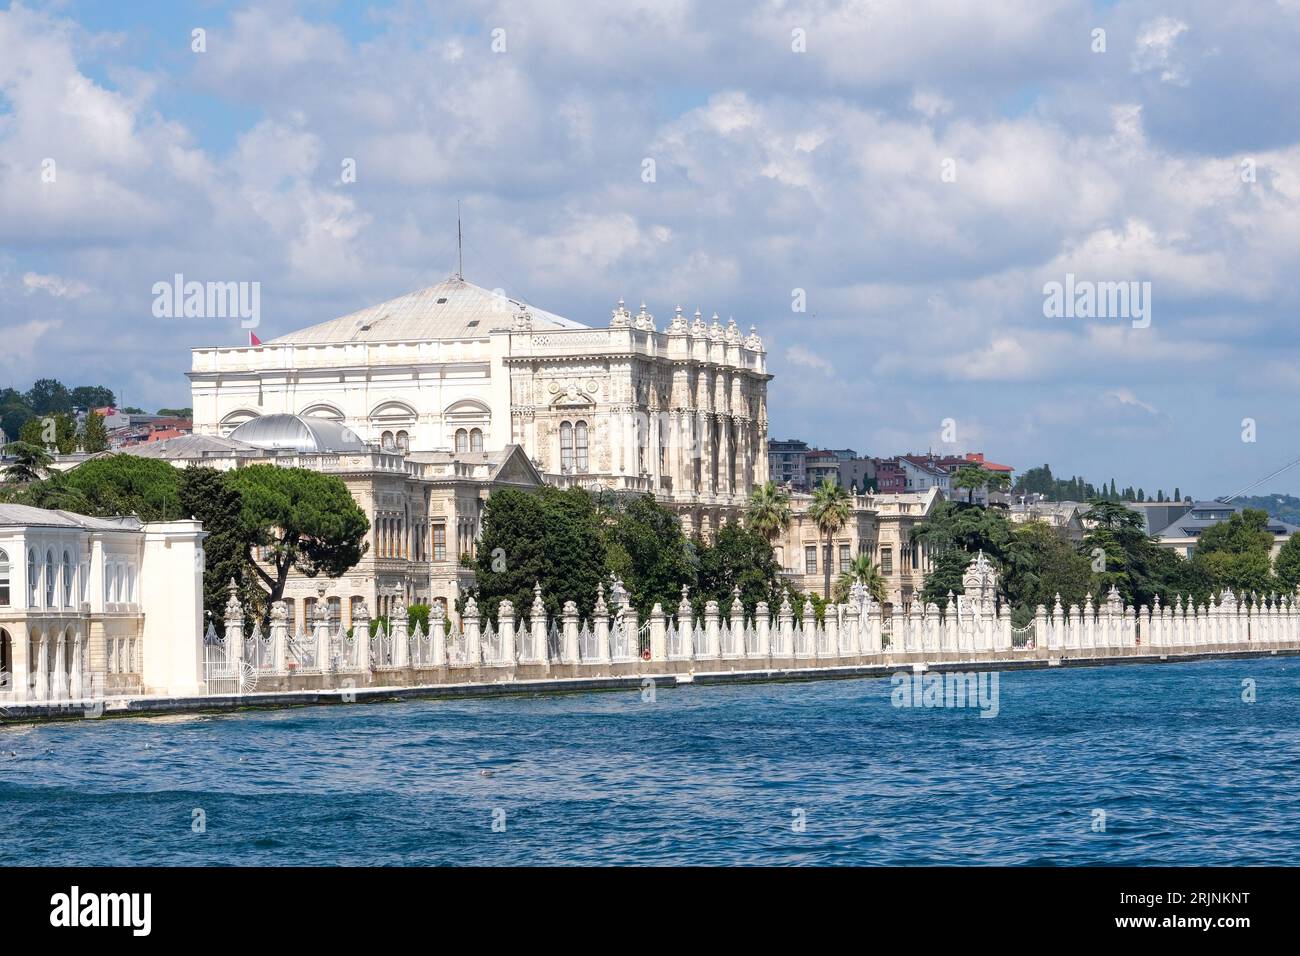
(253, 339)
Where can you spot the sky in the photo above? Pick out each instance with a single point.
(914, 174)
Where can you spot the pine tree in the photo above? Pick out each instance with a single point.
(94, 436)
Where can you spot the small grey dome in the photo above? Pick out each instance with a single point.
(301, 433)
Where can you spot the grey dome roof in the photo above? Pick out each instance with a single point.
(302, 433)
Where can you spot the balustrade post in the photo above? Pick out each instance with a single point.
(506, 628)
(234, 630)
(541, 649)
(360, 635)
(851, 640)
(473, 636)
(437, 634)
(712, 634)
(658, 634)
(763, 629)
(279, 637)
(686, 624)
(569, 633)
(600, 625)
(737, 623)
(399, 630)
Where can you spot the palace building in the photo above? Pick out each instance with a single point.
(458, 370)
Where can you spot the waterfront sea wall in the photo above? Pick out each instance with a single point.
(616, 647)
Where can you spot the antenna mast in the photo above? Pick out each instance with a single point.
(460, 254)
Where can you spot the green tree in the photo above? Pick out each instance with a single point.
(1039, 564)
(207, 495)
(945, 576)
(1236, 553)
(645, 548)
(92, 396)
(862, 570)
(177, 412)
(94, 436)
(970, 477)
(48, 396)
(549, 537)
(301, 520)
(738, 557)
(769, 510)
(30, 461)
(114, 485)
(1286, 566)
(830, 511)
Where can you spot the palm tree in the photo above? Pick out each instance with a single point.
(831, 510)
(769, 510)
(970, 477)
(862, 570)
(29, 464)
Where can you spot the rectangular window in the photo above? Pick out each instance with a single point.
(886, 560)
(440, 542)
(845, 560)
(810, 560)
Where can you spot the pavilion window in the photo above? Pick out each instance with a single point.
(566, 446)
(440, 541)
(476, 439)
(386, 441)
(49, 579)
(462, 440)
(67, 579)
(4, 580)
(580, 445)
(403, 442)
(32, 582)
(810, 560)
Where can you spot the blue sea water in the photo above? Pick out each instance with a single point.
(1186, 771)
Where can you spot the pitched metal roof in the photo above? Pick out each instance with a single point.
(27, 516)
(452, 309)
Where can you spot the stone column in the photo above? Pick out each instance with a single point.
(437, 633)
(658, 633)
(809, 626)
(763, 627)
(1040, 629)
(279, 636)
(600, 625)
(360, 636)
(737, 623)
(321, 629)
(506, 628)
(872, 639)
(712, 633)
(234, 630)
(832, 631)
(851, 643)
(541, 652)
(785, 624)
(399, 630)
(20, 650)
(895, 630)
(77, 690)
(569, 633)
(60, 689)
(473, 637)
(42, 669)
(686, 624)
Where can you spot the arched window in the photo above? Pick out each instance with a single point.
(566, 446)
(386, 441)
(476, 439)
(462, 440)
(403, 442)
(49, 579)
(67, 579)
(4, 584)
(32, 581)
(580, 445)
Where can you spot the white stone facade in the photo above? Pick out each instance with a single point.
(681, 413)
(98, 605)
